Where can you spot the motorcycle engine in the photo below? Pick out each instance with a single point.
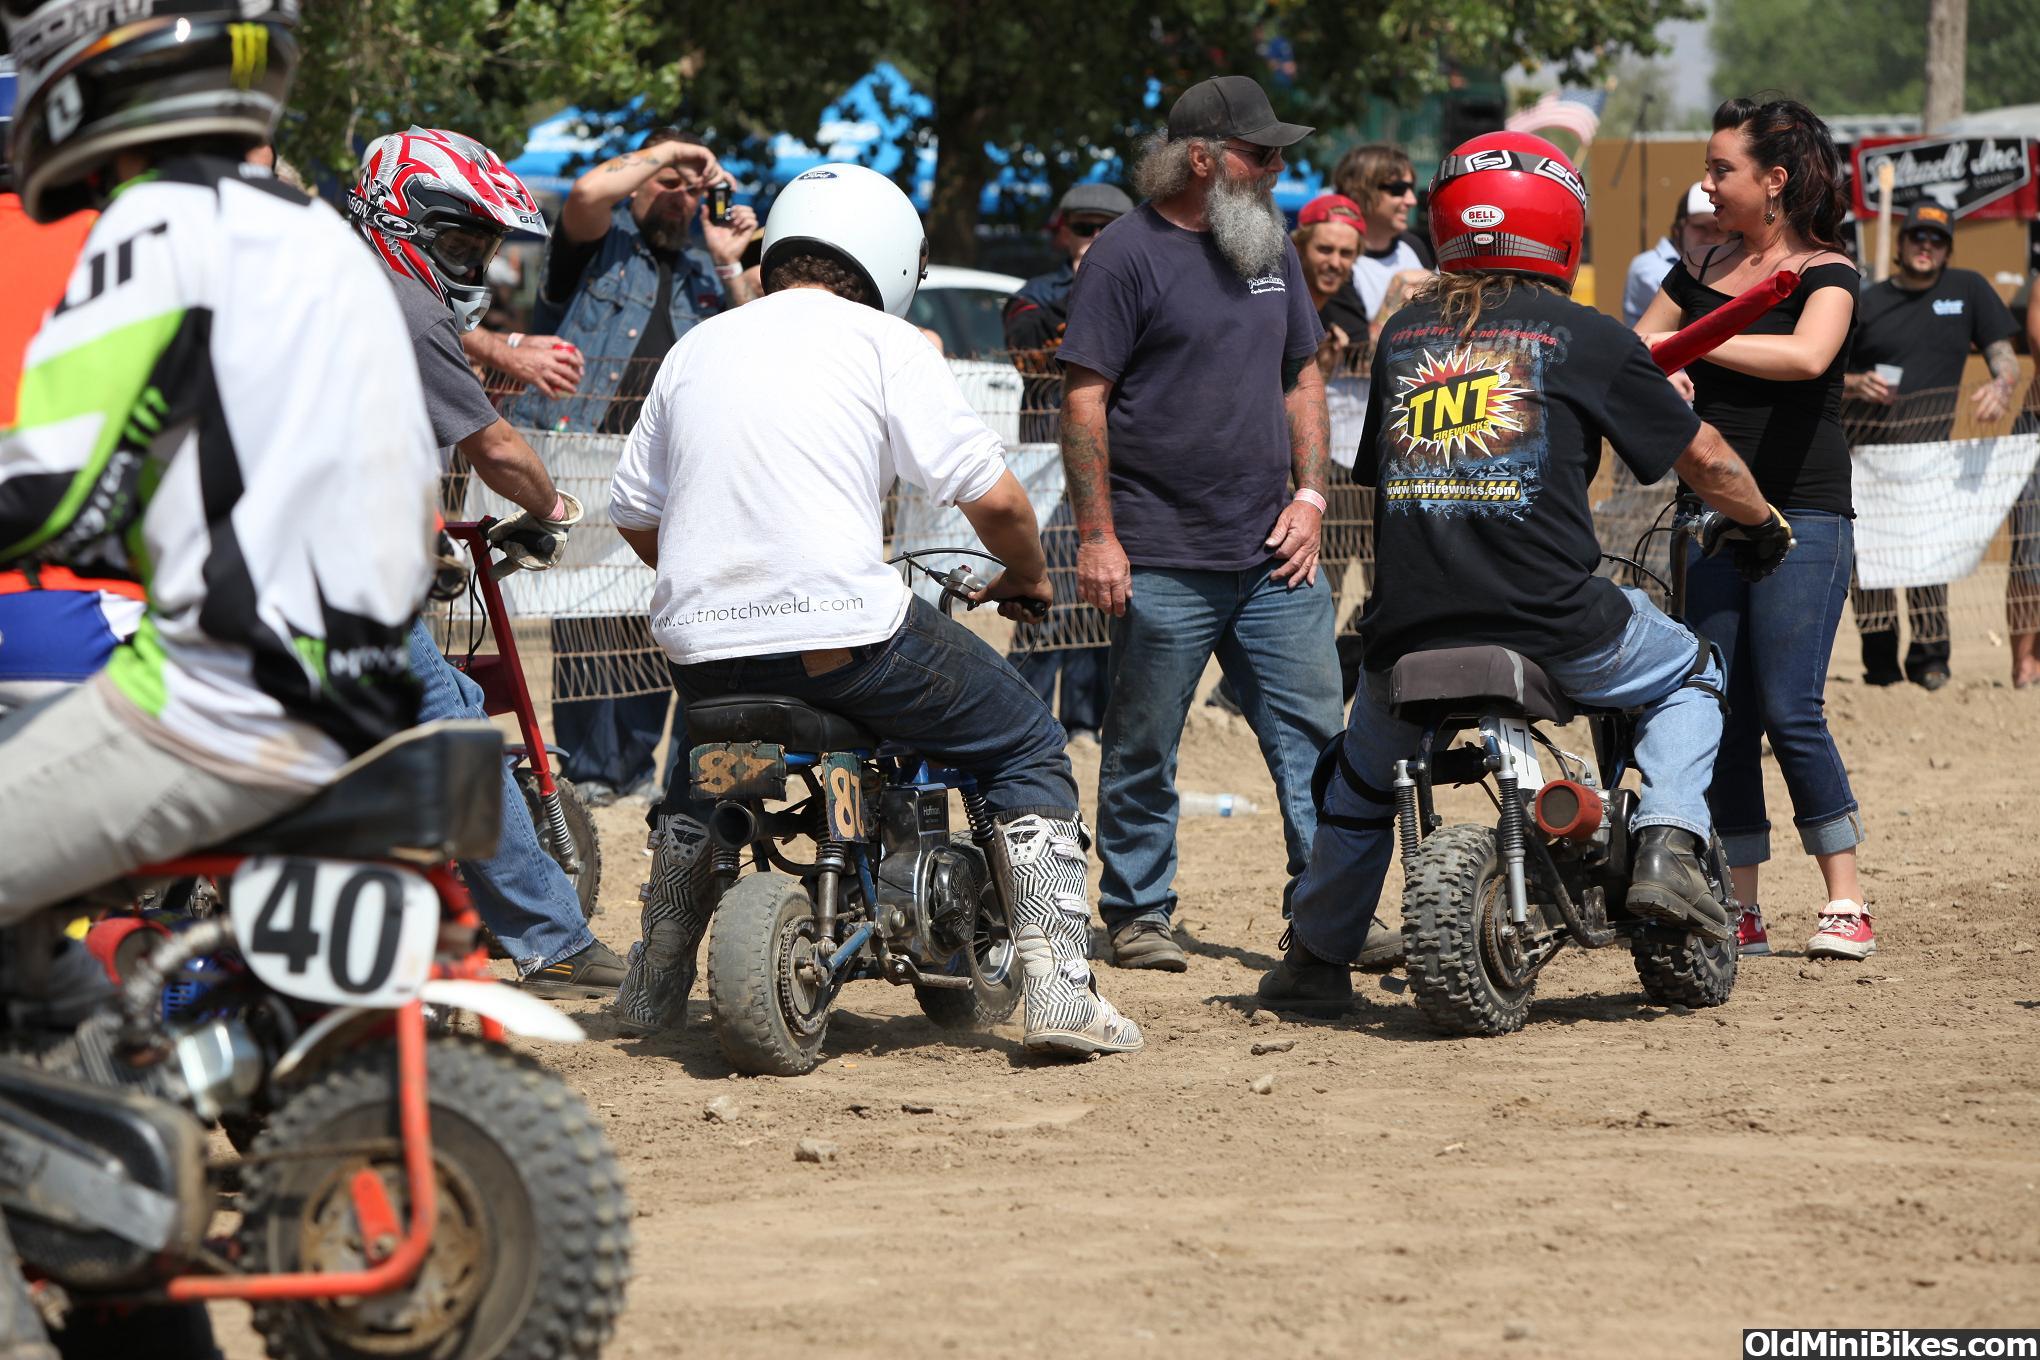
(951, 884)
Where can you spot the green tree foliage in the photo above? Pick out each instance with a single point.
(476, 66)
(1053, 83)
(1868, 56)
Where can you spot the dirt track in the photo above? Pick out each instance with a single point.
(1841, 1145)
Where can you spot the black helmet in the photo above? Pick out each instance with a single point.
(102, 76)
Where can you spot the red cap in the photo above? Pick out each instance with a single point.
(1331, 208)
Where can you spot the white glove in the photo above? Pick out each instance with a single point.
(532, 542)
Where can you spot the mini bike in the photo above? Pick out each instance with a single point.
(401, 1193)
(891, 891)
(1485, 908)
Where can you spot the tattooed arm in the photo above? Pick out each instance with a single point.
(1993, 398)
(1104, 578)
(586, 214)
(1295, 537)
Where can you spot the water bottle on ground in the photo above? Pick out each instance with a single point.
(1217, 805)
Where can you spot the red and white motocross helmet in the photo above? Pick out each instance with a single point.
(1509, 203)
(436, 206)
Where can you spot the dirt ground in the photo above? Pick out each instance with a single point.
(1841, 1145)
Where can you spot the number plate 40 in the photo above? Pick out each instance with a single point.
(335, 931)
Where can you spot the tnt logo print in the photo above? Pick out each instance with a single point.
(1455, 403)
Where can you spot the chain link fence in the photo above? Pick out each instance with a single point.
(1948, 520)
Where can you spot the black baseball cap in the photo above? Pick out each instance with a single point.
(1926, 216)
(1231, 106)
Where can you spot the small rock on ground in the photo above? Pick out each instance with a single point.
(817, 1150)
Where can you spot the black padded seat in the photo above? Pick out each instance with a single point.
(1451, 679)
(431, 793)
(777, 718)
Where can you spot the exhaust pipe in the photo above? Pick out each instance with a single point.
(732, 826)
(1566, 810)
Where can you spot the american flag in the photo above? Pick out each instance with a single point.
(1574, 111)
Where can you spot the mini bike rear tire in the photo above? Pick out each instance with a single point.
(1453, 878)
(753, 997)
(994, 993)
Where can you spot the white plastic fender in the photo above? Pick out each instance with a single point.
(519, 1012)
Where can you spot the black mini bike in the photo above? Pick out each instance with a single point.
(1485, 908)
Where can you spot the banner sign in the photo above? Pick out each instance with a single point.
(1926, 512)
(1976, 177)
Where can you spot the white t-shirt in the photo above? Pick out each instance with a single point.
(762, 457)
(1373, 273)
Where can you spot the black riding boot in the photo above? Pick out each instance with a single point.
(1305, 983)
(1666, 883)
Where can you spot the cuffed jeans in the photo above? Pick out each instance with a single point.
(1646, 668)
(523, 896)
(1777, 636)
(933, 687)
(1275, 645)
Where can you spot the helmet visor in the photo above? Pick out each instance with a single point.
(461, 251)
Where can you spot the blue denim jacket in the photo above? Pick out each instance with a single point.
(607, 313)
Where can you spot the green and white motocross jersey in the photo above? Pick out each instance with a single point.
(226, 406)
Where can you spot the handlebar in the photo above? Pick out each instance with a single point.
(960, 583)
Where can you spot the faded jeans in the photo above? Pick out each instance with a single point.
(524, 897)
(1275, 645)
(1646, 668)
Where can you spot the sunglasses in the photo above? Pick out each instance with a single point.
(1921, 236)
(1262, 156)
(1088, 228)
(1396, 187)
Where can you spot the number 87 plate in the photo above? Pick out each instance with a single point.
(339, 932)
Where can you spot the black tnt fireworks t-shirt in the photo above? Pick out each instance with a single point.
(1481, 446)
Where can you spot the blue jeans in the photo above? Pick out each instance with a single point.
(1646, 668)
(933, 687)
(1275, 644)
(522, 895)
(1085, 672)
(611, 741)
(1777, 636)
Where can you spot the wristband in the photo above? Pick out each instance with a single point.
(516, 339)
(728, 271)
(1310, 497)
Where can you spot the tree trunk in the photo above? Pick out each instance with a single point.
(1947, 43)
(960, 173)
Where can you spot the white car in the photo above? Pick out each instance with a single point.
(966, 307)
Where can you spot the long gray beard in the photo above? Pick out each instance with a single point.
(1247, 227)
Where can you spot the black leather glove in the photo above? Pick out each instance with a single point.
(532, 543)
(1758, 548)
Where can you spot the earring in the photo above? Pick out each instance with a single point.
(1770, 211)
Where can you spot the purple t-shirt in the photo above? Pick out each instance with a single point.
(1199, 437)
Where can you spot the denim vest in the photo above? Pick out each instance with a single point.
(607, 313)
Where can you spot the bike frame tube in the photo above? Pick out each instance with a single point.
(414, 1121)
(474, 536)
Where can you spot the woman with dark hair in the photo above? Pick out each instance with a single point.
(1775, 392)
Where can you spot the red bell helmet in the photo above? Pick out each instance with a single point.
(1509, 203)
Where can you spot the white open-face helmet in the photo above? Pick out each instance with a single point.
(860, 215)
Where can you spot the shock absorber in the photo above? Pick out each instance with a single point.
(556, 828)
(832, 861)
(979, 814)
(1503, 763)
(1408, 833)
(984, 834)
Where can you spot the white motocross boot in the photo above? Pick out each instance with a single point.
(676, 915)
(1051, 928)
